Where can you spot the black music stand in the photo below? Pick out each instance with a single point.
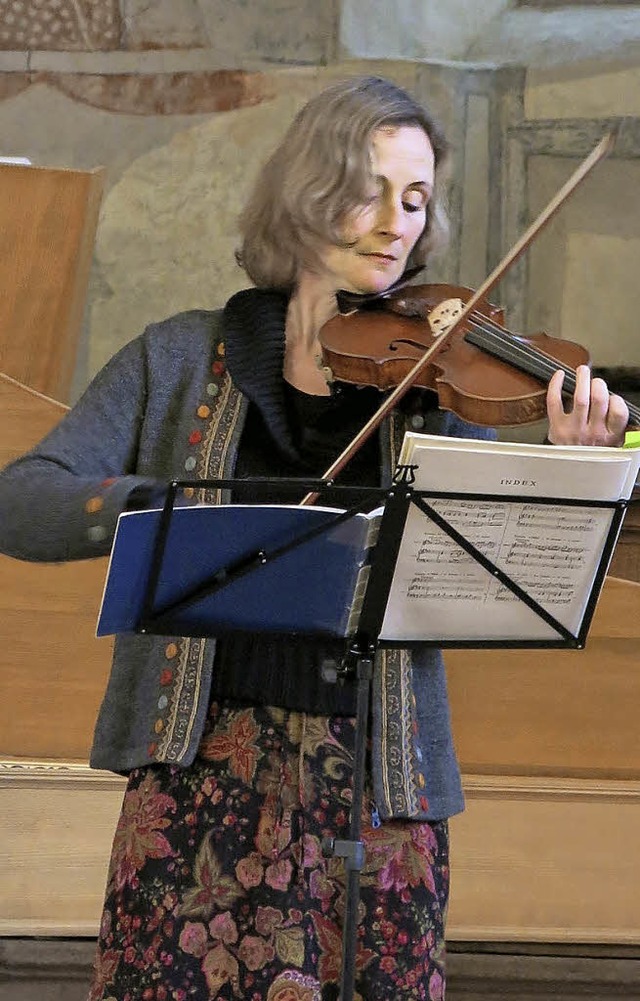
(362, 646)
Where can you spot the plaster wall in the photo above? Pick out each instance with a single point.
(583, 89)
(495, 32)
(414, 29)
(581, 272)
(178, 172)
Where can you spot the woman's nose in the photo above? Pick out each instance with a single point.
(390, 218)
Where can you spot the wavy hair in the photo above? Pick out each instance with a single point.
(320, 173)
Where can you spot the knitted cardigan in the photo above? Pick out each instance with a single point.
(172, 404)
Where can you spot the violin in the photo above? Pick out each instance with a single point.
(482, 372)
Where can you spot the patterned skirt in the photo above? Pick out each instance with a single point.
(218, 886)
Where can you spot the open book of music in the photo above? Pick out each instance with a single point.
(520, 506)
(545, 519)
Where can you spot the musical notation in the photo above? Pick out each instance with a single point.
(551, 550)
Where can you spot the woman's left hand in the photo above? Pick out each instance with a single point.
(596, 417)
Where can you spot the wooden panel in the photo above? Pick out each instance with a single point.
(26, 417)
(626, 558)
(48, 220)
(56, 827)
(555, 712)
(53, 669)
(51, 970)
(546, 861)
(514, 712)
(532, 860)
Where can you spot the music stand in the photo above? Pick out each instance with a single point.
(362, 646)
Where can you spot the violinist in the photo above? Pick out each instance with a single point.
(239, 754)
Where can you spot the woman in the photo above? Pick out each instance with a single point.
(239, 753)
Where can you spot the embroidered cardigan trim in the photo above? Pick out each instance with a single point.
(398, 782)
(224, 418)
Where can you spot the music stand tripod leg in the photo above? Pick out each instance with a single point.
(351, 850)
(359, 664)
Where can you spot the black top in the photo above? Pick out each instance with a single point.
(321, 428)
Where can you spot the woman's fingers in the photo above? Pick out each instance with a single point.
(595, 417)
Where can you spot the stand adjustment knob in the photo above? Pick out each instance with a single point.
(351, 851)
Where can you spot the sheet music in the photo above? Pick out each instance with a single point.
(551, 551)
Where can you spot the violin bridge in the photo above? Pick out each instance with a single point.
(444, 315)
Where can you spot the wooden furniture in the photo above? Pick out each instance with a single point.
(47, 613)
(544, 851)
(555, 713)
(48, 220)
(53, 668)
(548, 742)
(626, 558)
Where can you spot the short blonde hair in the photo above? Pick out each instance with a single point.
(320, 173)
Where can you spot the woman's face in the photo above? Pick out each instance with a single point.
(381, 235)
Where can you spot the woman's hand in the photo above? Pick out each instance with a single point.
(595, 418)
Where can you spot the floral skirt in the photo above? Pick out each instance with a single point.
(218, 886)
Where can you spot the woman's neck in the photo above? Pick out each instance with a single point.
(310, 307)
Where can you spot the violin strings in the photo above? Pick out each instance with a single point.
(496, 340)
(493, 338)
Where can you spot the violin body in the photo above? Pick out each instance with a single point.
(379, 347)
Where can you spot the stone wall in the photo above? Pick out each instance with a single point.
(582, 271)
(580, 75)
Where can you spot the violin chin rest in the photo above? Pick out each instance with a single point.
(409, 306)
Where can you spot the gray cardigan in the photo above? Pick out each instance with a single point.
(166, 407)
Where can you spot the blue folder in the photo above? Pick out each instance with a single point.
(314, 588)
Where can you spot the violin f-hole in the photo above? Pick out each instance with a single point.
(406, 342)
